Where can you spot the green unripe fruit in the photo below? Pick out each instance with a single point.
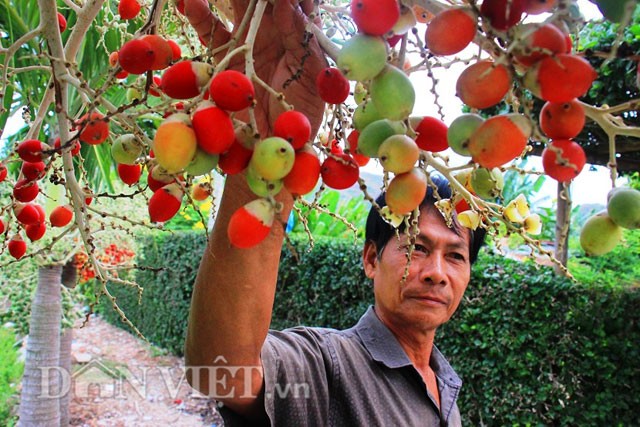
(202, 163)
(126, 149)
(599, 234)
(623, 207)
(487, 184)
(460, 132)
(393, 94)
(273, 158)
(375, 133)
(362, 57)
(260, 186)
(133, 93)
(398, 154)
(365, 114)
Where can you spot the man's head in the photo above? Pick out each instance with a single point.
(420, 293)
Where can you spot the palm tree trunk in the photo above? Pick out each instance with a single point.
(563, 222)
(40, 401)
(65, 365)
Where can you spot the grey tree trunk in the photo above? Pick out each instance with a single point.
(40, 398)
(65, 365)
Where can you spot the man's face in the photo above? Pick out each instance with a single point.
(438, 274)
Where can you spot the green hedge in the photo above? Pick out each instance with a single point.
(10, 373)
(532, 348)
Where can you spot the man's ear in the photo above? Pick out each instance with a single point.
(370, 259)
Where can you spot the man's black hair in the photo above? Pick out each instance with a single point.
(380, 231)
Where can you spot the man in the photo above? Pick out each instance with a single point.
(385, 370)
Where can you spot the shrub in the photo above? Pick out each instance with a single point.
(10, 374)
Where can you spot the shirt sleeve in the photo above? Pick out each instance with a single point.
(296, 370)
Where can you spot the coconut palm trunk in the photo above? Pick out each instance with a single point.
(65, 365)
(40, 401)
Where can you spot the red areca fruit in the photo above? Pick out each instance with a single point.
(340, 171)
(136, 56)
(304, 175)
(235, 159)
(185, 79)
(165, 202)
(375, 17)
(539, 43)
(154, 89)
(562, 120)
(157, 180)
(75, 146)
(213, 128)
(499, 139)
(61, 216)
(162, 52)
(176, 52)
(128, 9)
(250, 224)
(294, 127)
(440, 39)
(333, 86)
(2, 226)
(94, 129)
(201, 191)
(3, 172)
(560, 78)
(32, 150)
(35, 231)
(563, 160)
(232, 90)
(503, 14)
(432, 134)
(17, 247)
(62, 22)
(352, 139)
(483, 84)
(25, 190)
(32, 171)
(26, 213)
(129, 174)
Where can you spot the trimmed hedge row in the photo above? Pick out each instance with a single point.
(532, 348)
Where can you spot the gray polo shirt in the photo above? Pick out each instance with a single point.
(356, 377)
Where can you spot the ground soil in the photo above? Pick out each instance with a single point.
(120, 380)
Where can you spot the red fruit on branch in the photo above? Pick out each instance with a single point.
(32, 171)
(36, 231)
(250, 224)
(502, 14)
(25, 190)
(375, 17)
(213, 128)
(352, 139)
(185, 79)
(544, 41)
(560, 78)
(563, 160)
(60, 216)
(162, 52)
(406, 191)
(62, 22)
(483, 84)
(17, 247)
(235, 159)
(158, 178)
(94, 128)
(128, 9)
(432, 134)
(231, 90)
(294, 127)
(304, 175)
(340, 171)
(333, 86)
(75, 146)
(562, 120)
(3, 227)
(32, 150)
(176, 52)
(499, 139)
(129, 174)
(201, 191)
(165, 202)
(536, 7)
(136, 56)
(3, 172)
(439, 37)
(26, 213)
(154, 89)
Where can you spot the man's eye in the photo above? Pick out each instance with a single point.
(420, 248)
(458, 256)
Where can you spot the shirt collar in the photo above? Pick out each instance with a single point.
(385, 348)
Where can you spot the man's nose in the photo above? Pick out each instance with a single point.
(433, 269)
